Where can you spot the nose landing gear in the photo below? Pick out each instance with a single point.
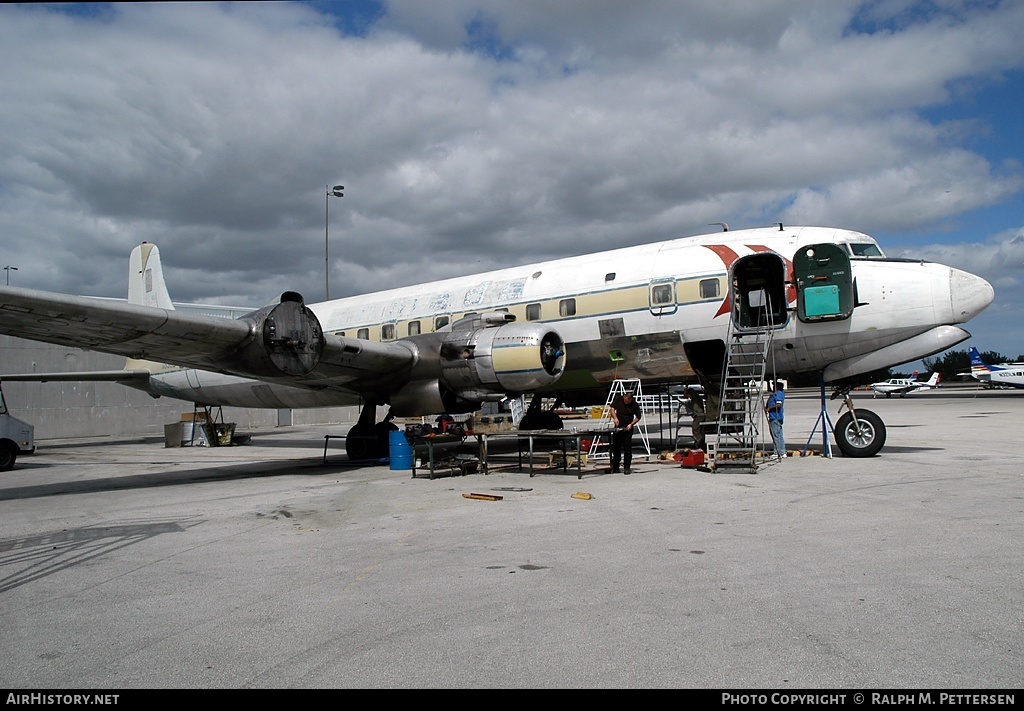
(858, 432)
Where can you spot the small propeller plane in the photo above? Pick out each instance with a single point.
(904, 386)
(661, 312)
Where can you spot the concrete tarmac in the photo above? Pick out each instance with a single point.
(124, 565)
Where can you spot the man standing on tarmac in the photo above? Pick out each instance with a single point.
(626, 414)
(775, 409)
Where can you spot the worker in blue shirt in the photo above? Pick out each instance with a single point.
(775, 409)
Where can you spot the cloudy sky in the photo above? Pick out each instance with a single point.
(473, 135)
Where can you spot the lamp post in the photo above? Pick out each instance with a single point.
(9, 269)
(336, 191)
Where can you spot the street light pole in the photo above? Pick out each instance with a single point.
(9, 269)
(336, 191)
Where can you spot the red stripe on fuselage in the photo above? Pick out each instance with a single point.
(728, 256)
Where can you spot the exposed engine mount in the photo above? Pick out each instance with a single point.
(287, 339)
(482, 358)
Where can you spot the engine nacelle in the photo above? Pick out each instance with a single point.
(478, 361)
(481, 363)
(288, 339)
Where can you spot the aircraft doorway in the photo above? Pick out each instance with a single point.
(759, 291)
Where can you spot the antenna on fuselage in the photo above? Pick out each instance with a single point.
(780, 227)
(725, 226)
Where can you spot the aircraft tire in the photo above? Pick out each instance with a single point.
(383, 431)
(863, 438)
(8, 455)
(359, 443)
(371, 442)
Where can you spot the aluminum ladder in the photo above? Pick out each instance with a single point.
(741, 402)
(599, 444)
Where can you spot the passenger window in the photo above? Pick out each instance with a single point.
(363, 333)
(661, 295)
(709, 289)
(387, 332)
(414, 328)
(440, 322)
(567, 307)
(533, 312)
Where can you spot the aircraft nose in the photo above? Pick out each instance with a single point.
(969, 295)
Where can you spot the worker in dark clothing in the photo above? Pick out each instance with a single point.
(626, 414)
(699, 416)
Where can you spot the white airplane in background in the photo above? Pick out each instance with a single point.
(1010, 375)
(661, 312)
(904, 386)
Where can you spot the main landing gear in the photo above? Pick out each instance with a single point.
(368, 439)
(537, 418)
(859, 432)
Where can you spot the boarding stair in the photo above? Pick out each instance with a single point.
(735, 441)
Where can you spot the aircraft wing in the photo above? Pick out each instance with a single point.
(233, 346)
(110, 376)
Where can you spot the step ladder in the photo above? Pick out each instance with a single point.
(517, 407)
(741, 402)
(600, 444)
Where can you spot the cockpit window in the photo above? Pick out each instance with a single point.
(864, 249)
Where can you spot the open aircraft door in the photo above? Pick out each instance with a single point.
(759, 291)
(825, 290)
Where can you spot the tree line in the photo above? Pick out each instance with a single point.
(952, 363)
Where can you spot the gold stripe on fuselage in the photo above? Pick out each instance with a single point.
(598, 304)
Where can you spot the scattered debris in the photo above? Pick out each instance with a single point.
(483, 497)
(582, 495)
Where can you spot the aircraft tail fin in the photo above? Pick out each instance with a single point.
(146, 285)
(934, 380)
(978, 365)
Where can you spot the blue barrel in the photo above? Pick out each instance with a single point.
(400, 451)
